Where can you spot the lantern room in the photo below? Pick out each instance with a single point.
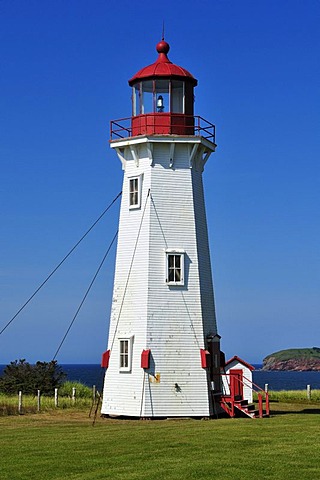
(162, 103)
(162, 97)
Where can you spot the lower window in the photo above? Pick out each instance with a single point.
(125, 354)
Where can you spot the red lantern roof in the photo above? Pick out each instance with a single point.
(162, 68)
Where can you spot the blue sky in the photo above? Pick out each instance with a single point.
(63, 77)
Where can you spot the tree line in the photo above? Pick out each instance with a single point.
(20, 375)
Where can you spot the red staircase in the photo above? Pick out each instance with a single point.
(235, 405)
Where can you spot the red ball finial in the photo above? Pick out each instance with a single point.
(163, 47)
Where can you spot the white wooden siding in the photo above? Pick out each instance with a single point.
(172, 321)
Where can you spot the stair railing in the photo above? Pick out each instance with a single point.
(262, 395)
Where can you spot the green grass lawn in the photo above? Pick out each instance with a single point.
(63, 444)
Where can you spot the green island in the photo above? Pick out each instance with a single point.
(299, 359)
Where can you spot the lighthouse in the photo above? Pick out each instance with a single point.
(163, 353)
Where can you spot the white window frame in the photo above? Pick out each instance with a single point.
(138, 204)
(181, 254)
(125, 366)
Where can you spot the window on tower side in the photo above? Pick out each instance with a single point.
(175, 268)
(125, 354)
(134, 192)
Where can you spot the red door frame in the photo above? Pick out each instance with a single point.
(236, 383)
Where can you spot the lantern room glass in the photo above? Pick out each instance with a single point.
(177, 96)
(136, 100)
(158, 96)
(162, 89)
(147, 97)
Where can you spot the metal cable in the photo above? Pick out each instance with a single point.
(184, 300)
(85, 295)
(59, 265)
(130, 268)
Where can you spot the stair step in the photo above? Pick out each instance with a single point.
(255, 413)
(243, 406)
(249, 410)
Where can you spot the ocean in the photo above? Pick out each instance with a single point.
(285, 380)
(91, 374)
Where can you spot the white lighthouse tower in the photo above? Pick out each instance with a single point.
(163, 356)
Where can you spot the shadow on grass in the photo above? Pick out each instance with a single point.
(312, 411)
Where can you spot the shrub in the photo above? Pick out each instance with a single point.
(82, 391)
(21, 375)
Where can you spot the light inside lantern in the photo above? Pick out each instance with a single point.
(160, 105)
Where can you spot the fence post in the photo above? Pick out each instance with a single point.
(266, 387)
(20, 403)
(267, 405)
(309, 392)
(56, 400)
(38, 401)
(94, 393)
(73, 395)
(260, 401)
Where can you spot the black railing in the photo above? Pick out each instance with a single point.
(163, 124)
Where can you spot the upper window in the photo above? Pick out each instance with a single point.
(175, 268)
(134, 192)
(125, 354)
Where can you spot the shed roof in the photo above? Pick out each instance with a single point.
(238, 359)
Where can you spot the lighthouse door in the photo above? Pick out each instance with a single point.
(236, 384)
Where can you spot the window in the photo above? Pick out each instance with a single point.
(162, 96)
(177, 96)
(147, 100)
(157, 96)
(125, 354)
(134, 192)
(136, 106)
(175, 267)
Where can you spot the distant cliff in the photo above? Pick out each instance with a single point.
(293, 359)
